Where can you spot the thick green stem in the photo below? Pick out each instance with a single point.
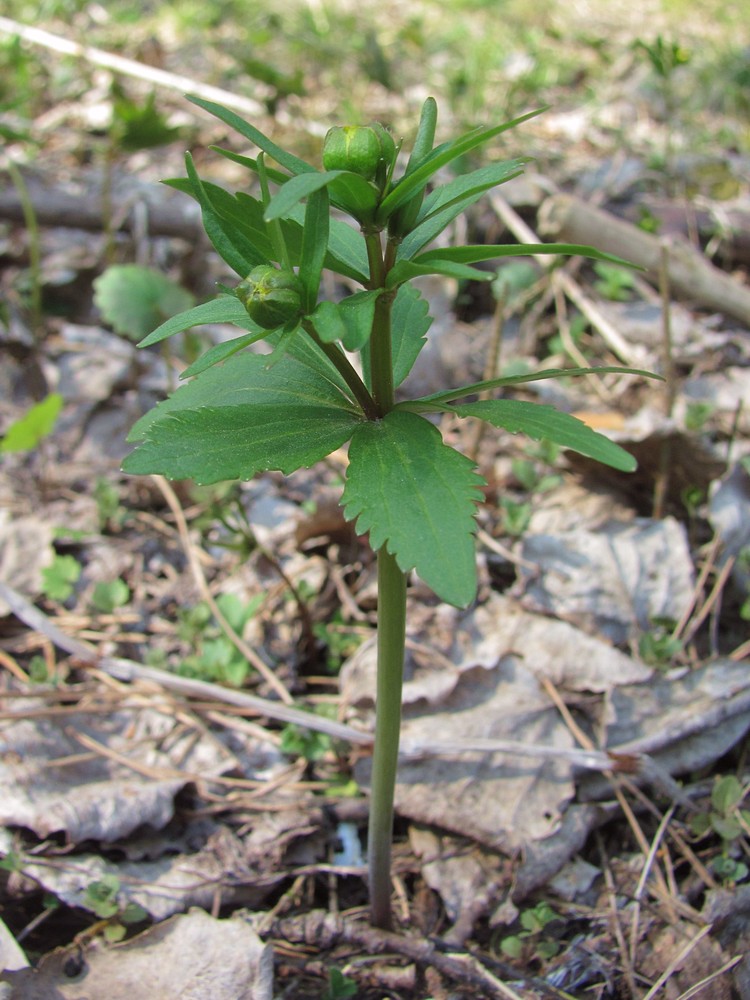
(391, 639)
(391, 623)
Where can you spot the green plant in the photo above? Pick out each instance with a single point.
(339, 639)
(730, 821)
(216, 658)
(413, 494)
(613, 282)
(340, 987)
(34, 426)
(108, 595)
(659, 645)
(101, 897)
(60, 577)
(530, 942)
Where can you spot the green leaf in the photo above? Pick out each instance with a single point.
(417, 496)
(405, 270)
(231, 244)
(135, 299)
(726, 794)
(292, 163)
(417, 180)
(410, 321)
(220, 352)
(314, 247)
(474, 254)
(36, 424)
(348, 321)
(540, 421)
(225, 309)
(432, 403)
(58, 578)
(295, 190)
(235, 421)
(449, 201)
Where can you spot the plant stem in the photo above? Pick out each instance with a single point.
(391, 639)
(391, 624)
(347, 372)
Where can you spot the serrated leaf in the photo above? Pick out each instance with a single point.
(225, 309)
(410, 321)
(538, 421)
(235, 421)
(214, 444)
(418, 497)
(135, 299)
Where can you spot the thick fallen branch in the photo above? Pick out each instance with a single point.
(564, 217)
(54, 207)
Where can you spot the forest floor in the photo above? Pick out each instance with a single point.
(187, 673)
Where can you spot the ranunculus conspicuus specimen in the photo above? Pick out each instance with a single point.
(358, 148)
(272, 296)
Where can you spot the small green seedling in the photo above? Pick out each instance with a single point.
(531, 942)
(614, 282)
(340, 987)
(216, 658)
(243, 412)
(101, 897)
(34, 426)
(730, 821)
(109, 595)
(60, 577)
(660, 645)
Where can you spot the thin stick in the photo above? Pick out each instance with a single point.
(677, 961)
(158, 77)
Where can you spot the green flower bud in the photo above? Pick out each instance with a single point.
(353, 147)
(271, 296)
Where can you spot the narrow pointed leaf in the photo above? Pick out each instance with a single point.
(295, 190)
(314, 247)
(221, 352)
(418, 497)
(429, 404)
(225, 309)
(418, 179)
(405, 270)
(231, 244)
(539, 421)
(292, 163)
(474, 254)
(449, 201)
